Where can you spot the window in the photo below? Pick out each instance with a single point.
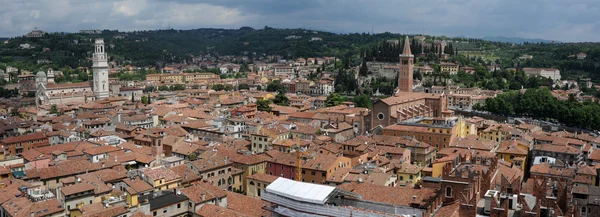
(448, 192)
(411, 177)
(164, 211)
(178, 205)
(324, 174)
(312, 173)
(380, 116)
(90, 201)
(154, 213)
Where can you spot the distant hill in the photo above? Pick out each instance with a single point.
(515, 40)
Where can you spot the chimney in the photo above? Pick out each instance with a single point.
(32, 214)
(414, 198)
(203, 196)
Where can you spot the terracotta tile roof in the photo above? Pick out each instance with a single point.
(140, 149)
(586, 170)
(595, 155)
(23, 207)
(407, 168)
(511, 147)
(77, 188)
(100, 186)
(24, 138)
(247, 205)
(557, 148)
(321, 162)
(546, 169)
(114, 211)
(195, 192)
(209, 210)
(185, 148)
(66, 147)
(137, 186)
(187, 174)
(110, 175)
(510, 173)
(263, 177)
(160, 173)
(473, 143)
(105, 149)
(400, 196)
(139, 214)
(68, 168)
(451, 210)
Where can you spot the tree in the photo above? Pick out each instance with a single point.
(263, 105)
(193, 156)
(243, 87)
(82, 76)
(334, 99)
(132, 98)
(195, 86)
(148, 89)
(418, 75)
(145, 100)
(54, 109)
(363, 101)
(276, 86)
(281, 99)
(163, 88)
(15, 112)
(363, 69)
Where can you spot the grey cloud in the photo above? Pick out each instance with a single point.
(573, 20)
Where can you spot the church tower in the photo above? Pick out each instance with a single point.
(405, 75)
(100, 69)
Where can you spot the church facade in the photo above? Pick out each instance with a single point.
(48, 92)
(406, 104)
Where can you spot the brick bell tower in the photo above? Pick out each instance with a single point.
(405, 75)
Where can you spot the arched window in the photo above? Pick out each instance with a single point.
(251, 183)
(583, 211)
(448, 192)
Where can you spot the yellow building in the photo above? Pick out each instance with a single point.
(408, 174)
(135, 189)
(161, 178)
(511, 152)
(257, 184)
(493, 133)
(449, 68)
(250, 165)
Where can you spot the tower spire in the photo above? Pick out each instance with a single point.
(406, 50)
(405, 74)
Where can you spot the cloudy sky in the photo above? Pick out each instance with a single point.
(563, 20)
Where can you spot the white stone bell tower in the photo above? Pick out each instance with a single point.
(100, 69)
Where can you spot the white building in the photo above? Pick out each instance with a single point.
(100, 69)
(323, 88)
(283, 70)
(551, 73)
